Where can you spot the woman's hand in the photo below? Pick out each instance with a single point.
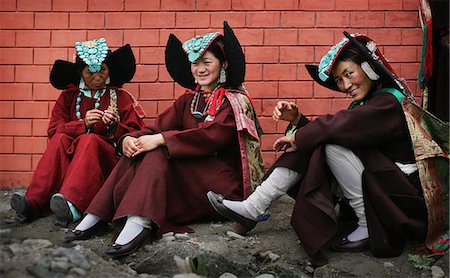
(109, 118)
(286, 143)
(287, 111)
(129, 146)
(92, 117)
(148, 143)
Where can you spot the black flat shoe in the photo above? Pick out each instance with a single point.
(245, 224)
(99, 228)
(118, 250)
(345, 245)
(61, 209)
(20, 204)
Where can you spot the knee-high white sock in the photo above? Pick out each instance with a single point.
(359, 234)
(238, 207)
(133, 227)
(88, 221)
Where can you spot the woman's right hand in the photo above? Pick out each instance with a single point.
(287, 111)
(92, 117)
(129, 147)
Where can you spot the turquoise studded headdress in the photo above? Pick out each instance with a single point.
(196, 46)
(369, 51)
(93, 53)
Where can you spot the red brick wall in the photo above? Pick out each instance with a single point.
(278, 36)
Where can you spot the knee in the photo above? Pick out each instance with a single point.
(333, 150)
(60, 139)
(89, 139)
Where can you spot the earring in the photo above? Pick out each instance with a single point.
(108, 80)
(369, 71)
(223, 75)
(195, 80)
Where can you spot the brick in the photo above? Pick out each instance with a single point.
(34, 6)
(47, 56)
(268, 125)
(114, 38)
(178, 5)
(32, 73)
(156, 91)
(410, 5)
(142, 37)
(45, 92)
(87, 20)
(302, 73)
(262, 89)
(322, 92)
(163, 74)
(315, 37)
(234, 19)
(15, 162)
(267, 107)
(32, 109)
(15, 127)
(70, 5)
(386, 36)
(6, 145)
(7, 38)
(269, 159)
(122, 20)
(35, 158)
(139, 5)
(106, 5)
(146, 73)
(283, 5)
(297, 19)
(6, 74)
(295, 89)
(253, 72)
(156, 20)
(192, 20)
(8, 5)
(33, 38)
(263, 19)
(296, 54)
(315, 107)
(409, 70)
(257, 104)
(150, 107)
(402, 19)
(152, 55)
(367, 19)
(352, 5)
(51, 20)
(182, 34)
(317, 5)
(207, 5)
(164, 105)
(411, 37)
(67, 38)
(6, 109)
(280, 36)
(268, 140)
(15, 91)
(386, 4)
(263, 54)
(10, 180)
(18, 20)
(16, 56)
(30, 145)
(249, 37)
(249, 5)
(340, 104)
(279, 72)
(332, 19)
(401, 53)
(40, 127)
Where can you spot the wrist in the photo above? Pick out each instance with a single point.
(297, 119)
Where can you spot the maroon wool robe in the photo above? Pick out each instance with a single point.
(377, 133)
(75, 163)
(169, 184)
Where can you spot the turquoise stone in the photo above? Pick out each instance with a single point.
(97, 105)
(78, 114)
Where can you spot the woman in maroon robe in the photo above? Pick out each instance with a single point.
(367, 149)
(207, 140)
(88, 118)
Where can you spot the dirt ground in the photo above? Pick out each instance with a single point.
(271, 249)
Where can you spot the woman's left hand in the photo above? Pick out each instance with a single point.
(148, 143)
(286, 143)
(109, 118)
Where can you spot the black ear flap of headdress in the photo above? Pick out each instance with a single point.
(235, 57)
(313, 70)
(63, 74)
(177, 63)
(122, 66)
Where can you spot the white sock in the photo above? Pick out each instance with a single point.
(130, 231)
(238, 207)
(88, 221)
(359, 234)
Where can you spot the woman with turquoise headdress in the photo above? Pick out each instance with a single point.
(207, 140)
(391, 188)
(88, 118)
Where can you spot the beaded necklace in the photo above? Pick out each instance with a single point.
(196, 99)
(78, 106)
